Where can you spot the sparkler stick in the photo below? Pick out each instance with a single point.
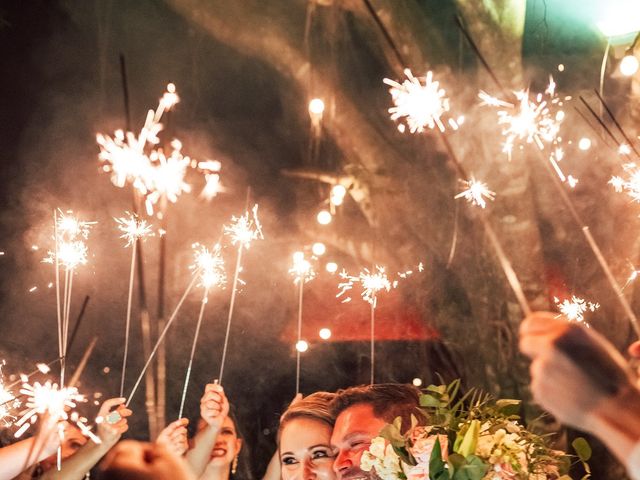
(616, 123)
(78, 321)
(504, 261)
(298, 352)
(211, 266)
(303, 272)
(230, 315)
(600, 121)
(583, 227)
(203, 304)
(57, 276)
(243, 230)
(161, 337)
(133, 230)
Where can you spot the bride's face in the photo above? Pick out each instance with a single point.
(305, 452)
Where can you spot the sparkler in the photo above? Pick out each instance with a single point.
(372, 284)
(302, 272)
(242, 231)
(476, 192)
(567, 201)
(527, 120)
(421, 102)
(8, 402)
(210, 266)
(575, 308)
(70, 252)
(629, 185)
(133, 229)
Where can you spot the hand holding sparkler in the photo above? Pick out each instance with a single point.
(173, 437)
(214, 409)
(112, 422)
(214, 405)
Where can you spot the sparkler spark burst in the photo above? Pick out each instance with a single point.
(475, 192)
(245, 229)
(371, 282)
(422, 103)
(528, 120)
(70, 241)
(575, 308)
(48, 399)
(133, 228)
(210, 265)
(8, 402)
(629, 185)
(137, 160)
(302, 270)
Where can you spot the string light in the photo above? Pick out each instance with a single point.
(318, 249)
(324, 333)
(324, 217)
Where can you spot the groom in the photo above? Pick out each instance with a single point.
(360, 414)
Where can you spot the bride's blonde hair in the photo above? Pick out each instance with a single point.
(314, 407)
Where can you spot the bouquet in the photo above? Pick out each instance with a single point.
(475, 437)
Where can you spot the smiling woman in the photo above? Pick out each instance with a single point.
(304, 439)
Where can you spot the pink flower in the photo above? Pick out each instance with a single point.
(423, 446)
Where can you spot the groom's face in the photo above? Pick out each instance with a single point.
(354, 429)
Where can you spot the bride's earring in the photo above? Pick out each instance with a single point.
(234, 465)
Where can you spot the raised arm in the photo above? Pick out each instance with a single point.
(214, 408)
(112, 423)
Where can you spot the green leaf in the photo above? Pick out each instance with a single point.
(427, 400)
(582, 449)
(473, 469)
(393, 436)
(470, 440)
(437, 470)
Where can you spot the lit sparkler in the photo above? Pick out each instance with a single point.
(420, 101)
(372, 283)
(133, 229)
(167, 177)
(8, 402)
(46, 398)
(475, 192)
(242, 231)
(209, 264)
(575, 308)
(527, 120)
(70, 252)
(302, 272)
(630, 184)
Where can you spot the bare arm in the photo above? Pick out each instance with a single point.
(23, 454)
(214, 408)
(76, 466)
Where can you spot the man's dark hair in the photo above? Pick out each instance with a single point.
(388, 400)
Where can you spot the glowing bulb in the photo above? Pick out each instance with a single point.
(302, 346)
(584, 144)
(561, 67)
(325, 333)
(316, 107)
(339, 190)
(318, 249)
(629, 65)
(332, 267)
(417, 382)
(324, 217)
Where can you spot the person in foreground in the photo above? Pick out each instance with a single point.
(304, 439)
(581, 379)
(217, 445)
(360, 413)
